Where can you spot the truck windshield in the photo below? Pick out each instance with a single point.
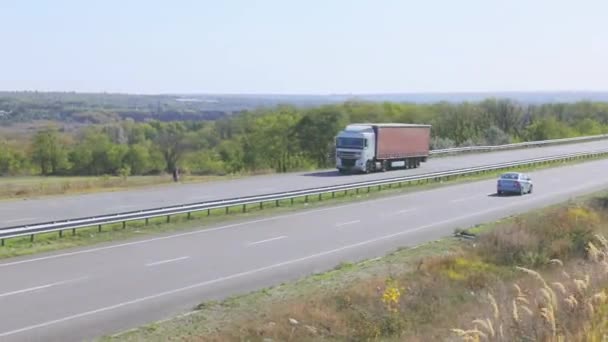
(350, 143)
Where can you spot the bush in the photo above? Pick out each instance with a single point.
(561, 234)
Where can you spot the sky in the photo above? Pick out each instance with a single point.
(303, 47)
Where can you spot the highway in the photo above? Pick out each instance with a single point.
(21, 212)
(78, 294)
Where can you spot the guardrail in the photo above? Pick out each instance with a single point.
(517, 145)
(73, 224)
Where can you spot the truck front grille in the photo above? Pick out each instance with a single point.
(348, 162)
(349, 155)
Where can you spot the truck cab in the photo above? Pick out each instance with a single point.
(355, 148)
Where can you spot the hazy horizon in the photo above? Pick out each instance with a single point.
(312, 48)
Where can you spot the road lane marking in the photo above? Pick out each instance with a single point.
(242, 224)
(41, 287)
(166, 261)
(277, 265)
(399, 212)
(464, 199)
(404, 211)
(267, 240)
(21, 219)
(347, 223)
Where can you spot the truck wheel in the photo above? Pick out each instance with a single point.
(368, 167)
(384, 165)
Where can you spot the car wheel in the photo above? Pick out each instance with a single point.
(530, 191)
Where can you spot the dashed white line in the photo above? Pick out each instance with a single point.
(347, 223)
(156, 263)
(464, 199)
(406, 211)
(399, 212)
(267, 240)
(41, 287)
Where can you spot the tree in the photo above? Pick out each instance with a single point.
(495, 136)
(49, 152)
(173, 141)
(316, 132)
(12, 161)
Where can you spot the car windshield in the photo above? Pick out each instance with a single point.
(509, 176)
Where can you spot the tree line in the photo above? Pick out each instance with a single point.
(283, 138)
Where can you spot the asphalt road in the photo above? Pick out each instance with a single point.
(83, 293)
(21, 212)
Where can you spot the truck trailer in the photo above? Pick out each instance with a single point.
(369, 147)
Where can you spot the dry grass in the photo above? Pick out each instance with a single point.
(20, 187)
(564, 304)
(561, 233)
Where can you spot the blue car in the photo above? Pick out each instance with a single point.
(514, 183)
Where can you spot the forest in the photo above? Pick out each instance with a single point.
(281, 138)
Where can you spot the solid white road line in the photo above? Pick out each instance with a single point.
(166, 261)
(281, 264)
(36, 288)
(338, 225)
(267, 240)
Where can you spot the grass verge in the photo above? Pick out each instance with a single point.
(541, 276)
(199, 220)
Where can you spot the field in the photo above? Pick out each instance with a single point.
(541, 276)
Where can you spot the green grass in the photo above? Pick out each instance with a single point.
(200, 220)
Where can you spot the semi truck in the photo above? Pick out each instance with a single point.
(369, 147)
